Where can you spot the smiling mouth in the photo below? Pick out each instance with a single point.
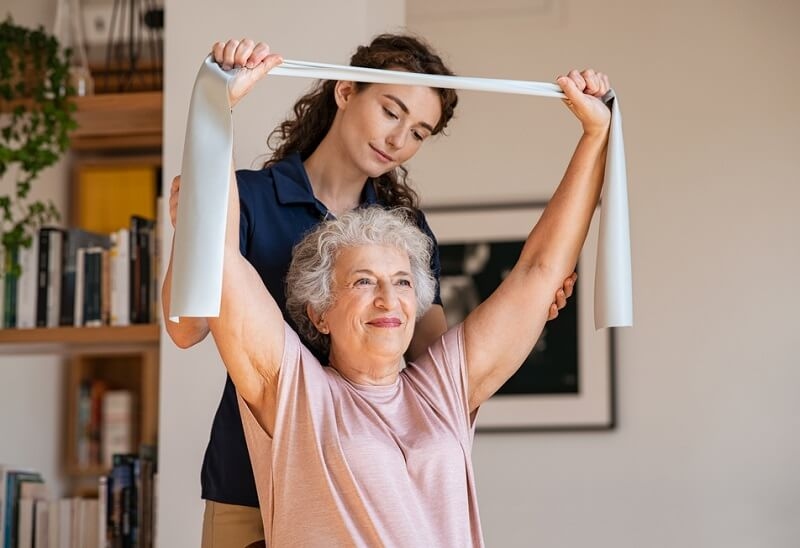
(383, 155)
(385, 322)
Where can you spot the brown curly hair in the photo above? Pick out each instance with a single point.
(314, 112)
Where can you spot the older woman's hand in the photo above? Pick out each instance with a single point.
(253, 59)
(584, 91)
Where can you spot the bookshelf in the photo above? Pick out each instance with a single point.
(73, 336)
(114, 130)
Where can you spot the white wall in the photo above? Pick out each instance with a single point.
(706, 451)
(192, 381)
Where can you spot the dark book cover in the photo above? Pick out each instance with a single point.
(92, 292)
(76, 238)
(41, 277)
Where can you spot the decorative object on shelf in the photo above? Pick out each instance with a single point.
(68, 30)
(135, 44)
(36, 117)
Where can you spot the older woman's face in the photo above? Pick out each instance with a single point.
(375, 303)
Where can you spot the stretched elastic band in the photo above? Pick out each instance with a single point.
(205, 176)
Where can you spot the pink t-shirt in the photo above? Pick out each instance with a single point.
(370, 466)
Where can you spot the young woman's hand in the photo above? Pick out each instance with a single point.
(174, 195)
(253, 59)
(584, 91)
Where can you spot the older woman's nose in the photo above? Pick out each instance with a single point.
(386, 296)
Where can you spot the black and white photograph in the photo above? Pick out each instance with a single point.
(567, 380)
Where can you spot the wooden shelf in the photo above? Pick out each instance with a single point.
(118, 121)
(144, 333)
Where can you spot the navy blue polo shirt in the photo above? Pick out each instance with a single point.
(277, 208)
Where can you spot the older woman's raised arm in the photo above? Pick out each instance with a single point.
(249, 331)
(502, 331)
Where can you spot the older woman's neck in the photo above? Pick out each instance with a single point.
(336, 181)
(369, 372)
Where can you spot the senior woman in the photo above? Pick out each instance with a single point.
(371, 450)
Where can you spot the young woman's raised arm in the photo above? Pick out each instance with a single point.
(502, 331)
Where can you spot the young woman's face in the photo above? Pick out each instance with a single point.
(383, 125)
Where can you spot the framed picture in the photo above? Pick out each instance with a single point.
(567, 382)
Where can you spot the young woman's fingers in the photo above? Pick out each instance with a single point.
(229, 54)
(245, 48)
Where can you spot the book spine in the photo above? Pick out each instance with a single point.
(54, 278)
(26, 285)
(92, 288)
(41, 283)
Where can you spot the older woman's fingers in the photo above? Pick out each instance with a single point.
(576, 77)
(592, 82)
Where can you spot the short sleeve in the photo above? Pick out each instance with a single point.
(436, 266)
(440, 376)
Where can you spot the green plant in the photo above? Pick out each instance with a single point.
(36, 116)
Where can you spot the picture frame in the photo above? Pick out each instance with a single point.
(484, 240)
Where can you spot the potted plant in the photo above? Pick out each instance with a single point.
(36, 116)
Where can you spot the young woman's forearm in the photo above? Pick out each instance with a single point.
(189, 331)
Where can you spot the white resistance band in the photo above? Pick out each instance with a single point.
(205, 176)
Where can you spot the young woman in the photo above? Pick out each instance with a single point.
(344, 148)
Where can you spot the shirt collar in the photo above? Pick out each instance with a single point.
(293, 186)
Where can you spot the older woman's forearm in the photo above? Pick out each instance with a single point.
(555, 242)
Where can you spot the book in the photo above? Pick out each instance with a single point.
(140, 268)
(48, 294)
(120, 278)
(80, 276)
(9, 295)
(41, 520)
(29, 493)
(27, 284)
(93, 287)
(117, 424)
(75, 239)
(14, 478)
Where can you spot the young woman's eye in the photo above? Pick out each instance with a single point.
(418, 136)
(390, 114)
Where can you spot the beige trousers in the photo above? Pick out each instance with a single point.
(231, 526)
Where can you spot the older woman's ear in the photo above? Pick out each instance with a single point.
(318, 320)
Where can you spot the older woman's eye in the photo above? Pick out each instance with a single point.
(405, 283)
(363, 281)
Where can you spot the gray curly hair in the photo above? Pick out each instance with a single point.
(309, 281)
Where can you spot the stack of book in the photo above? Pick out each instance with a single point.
(105, 424)
(78, 278)
(121, 516)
